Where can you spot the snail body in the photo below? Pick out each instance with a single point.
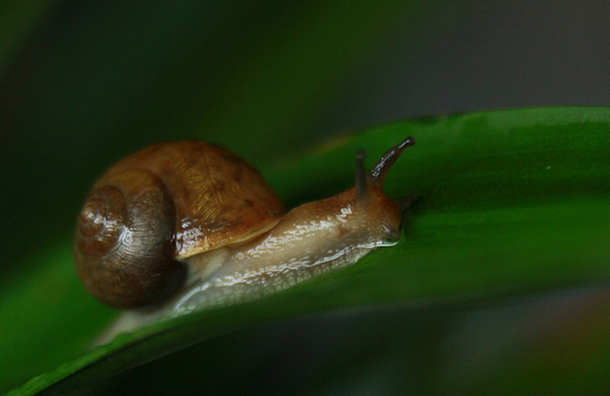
(182, 225)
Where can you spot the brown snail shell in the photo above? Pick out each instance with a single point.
(160, 205)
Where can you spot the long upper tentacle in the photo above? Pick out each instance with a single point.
(378, 173)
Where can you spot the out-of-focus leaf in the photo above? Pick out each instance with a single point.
(18, 20)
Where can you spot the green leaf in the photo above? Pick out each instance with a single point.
(511, 202)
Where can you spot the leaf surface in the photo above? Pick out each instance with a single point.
(511, 202)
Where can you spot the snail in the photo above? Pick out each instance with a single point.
(192, 224)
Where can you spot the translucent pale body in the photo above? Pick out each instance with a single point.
(294, 251)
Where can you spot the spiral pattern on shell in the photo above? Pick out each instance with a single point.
(101, 220)
(124, 244)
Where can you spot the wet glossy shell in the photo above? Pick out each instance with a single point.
(219, 198)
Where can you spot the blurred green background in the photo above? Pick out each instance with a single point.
(83, 83)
